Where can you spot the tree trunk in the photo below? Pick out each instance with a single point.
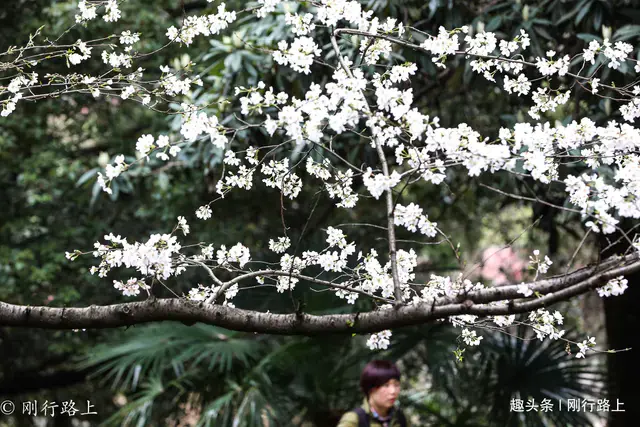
(623, 330)
(622, 318)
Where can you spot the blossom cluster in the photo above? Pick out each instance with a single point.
(546, 324)
(380, 340)
(154, 258)
(204, 293)
(204, 212)
(14, 87)
(112, 171)
(81, 53)
(278, 175)
(299, 56)
(615, 53)
(342, 189)
(379, 183)
(208, 25)
(196, 123)
(541, 265)
(131, 287)
(439, 286)
(413, 219)
(614, 287)
(238, 253)
(279, 246)
(377, 278)
(470, 337)
(89, 10)
(301, 25)
(585, 346)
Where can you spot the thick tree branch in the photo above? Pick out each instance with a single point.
(478, 302)
(268, 273)
(617, 265)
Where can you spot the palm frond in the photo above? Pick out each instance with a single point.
(150, 350)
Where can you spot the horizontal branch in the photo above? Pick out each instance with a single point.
(154, 310)
(561, 295)
(618, 265)
(267, 273)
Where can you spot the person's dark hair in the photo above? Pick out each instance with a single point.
(377, 373)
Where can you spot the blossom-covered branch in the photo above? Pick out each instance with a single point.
(478, 303)
(369, 96)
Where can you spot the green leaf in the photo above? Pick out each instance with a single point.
(543, 32)
(573, 12)
(597, 20)
(581, 14)
(588, 37)
(627, 32)
(87, 176)
(494, 23)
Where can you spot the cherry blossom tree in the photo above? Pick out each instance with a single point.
(372, 97)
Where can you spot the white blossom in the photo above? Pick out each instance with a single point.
(541, 265)
(204, 212)
(524, 289)
(112, 11)
(379, 341)
(145, 144)
(182, 225)
(378, 184)
(87, 12)
(299, 56)
(545, 324)
(153, 258)
(208, 25)
(413, 219)
(237, 254)
(584, 346)
(301, 25)
(470, 338)
(268, 6)
(614, 287)
(279, 246)
(445, 44)
(616, 53)
(279, 176)
(548, 66)
(127, 37)
(521, 86)
(131, 287)
(504, 321)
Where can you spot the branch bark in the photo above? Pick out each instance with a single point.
(479, 302)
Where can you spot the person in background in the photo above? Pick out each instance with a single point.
(380, 383)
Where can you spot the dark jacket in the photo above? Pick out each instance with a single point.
(350, 419)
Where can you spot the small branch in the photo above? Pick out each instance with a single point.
(421, 49)
(575, 253)
(391, 231)
(206, 267)
(536, 199)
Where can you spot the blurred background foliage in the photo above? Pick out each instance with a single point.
(172, 374)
